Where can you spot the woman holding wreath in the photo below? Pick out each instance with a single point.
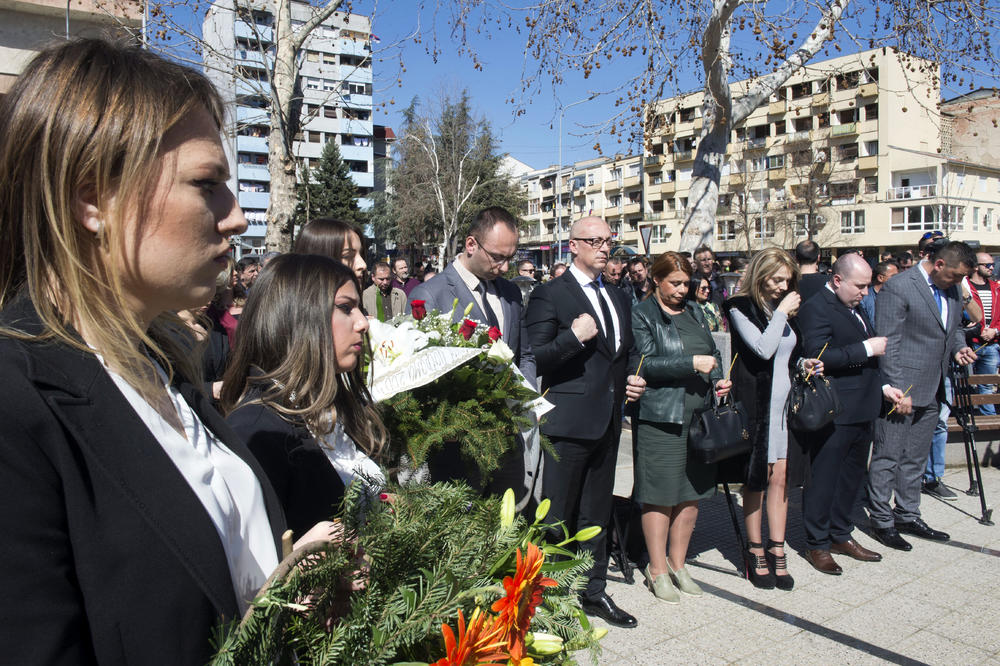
(681, 369)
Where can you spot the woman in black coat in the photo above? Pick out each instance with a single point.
(764, 345)
(133, 521)
(293, 390)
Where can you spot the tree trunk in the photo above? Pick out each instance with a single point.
(284, 119)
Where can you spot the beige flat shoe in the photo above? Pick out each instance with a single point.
(662, 588)
(684, 581)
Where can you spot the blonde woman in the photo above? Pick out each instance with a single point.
(764, 342)
(294, 391)
(134, 521)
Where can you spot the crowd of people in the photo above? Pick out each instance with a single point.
(168, 413)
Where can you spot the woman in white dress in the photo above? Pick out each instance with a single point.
(294, 390)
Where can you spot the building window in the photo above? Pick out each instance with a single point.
(315, 137)
(914, 218)
(312, 56)
(725, 230)
(775, 161)
(871, 184)
(312, 84)
(768, 228)
(660, 233)
(329, 59)
(871, 111)
(847, 152)
(802, 224)
(329, 85)
(852, 222)
(975, 218)
(329, 112)
(871, 148)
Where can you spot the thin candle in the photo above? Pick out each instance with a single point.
(731, 364)
(817, 358)
(637, 372)
(904, 395)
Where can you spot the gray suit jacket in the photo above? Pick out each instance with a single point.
(397, 303)
(919, 347)
(441, 290)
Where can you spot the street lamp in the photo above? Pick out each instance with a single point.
(562, 112)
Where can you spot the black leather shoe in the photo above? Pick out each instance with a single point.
(919, 528)
(603, 607)
(888, 536)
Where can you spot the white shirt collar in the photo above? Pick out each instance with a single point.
(470, 280)
(581, 277)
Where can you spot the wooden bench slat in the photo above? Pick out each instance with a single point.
(985, 398)
(983, 423)
(984, 379)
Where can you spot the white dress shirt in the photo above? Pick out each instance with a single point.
(472, 282)
(222, 481)
(944, 300)
(586, 283)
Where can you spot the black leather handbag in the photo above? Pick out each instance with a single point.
(719, 432)
(812, 403)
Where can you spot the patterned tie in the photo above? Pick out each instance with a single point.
(491, 316)
(608, 326)
(937, 297)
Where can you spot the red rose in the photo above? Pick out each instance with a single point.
(418, 310)
(467, 328)
(494, 333)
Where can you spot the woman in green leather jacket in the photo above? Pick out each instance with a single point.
(682, 368)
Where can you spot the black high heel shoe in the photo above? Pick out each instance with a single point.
(754, 562)
(778, 563)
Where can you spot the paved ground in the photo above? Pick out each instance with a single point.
(938, 604)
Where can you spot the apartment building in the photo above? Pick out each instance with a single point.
(336, 84)
(849, 149)
(27, 26)
(610, 187)
(858, 151)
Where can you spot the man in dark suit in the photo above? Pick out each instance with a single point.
(474, 278)
(810, 280)
(920, 312)
(581, 335)
(833, 322)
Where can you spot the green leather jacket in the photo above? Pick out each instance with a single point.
(665, 362)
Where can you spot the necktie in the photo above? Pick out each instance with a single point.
(857, 313)
(491, 316)
(609, 326)
(937, 297)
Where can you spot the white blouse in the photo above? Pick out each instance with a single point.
(348, 460)
(223, 482)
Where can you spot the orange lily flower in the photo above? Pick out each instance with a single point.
(524, 595)
(480, 644)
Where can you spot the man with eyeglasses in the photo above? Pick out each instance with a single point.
(474, 278)
(986, 293)
(526, 269)
(581, 335)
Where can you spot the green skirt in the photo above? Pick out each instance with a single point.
(663, 473)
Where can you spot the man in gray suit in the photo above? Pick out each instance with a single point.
(920, 313)
(474, 277)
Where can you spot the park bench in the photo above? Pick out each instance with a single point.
(984, 423)
(973, 426)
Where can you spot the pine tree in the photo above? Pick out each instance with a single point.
(328, 191)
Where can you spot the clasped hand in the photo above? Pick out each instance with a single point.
(965, 356)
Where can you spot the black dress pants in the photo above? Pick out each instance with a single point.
(580, 486)
(838, 461)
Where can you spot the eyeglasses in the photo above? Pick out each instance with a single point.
(497, 259)
(989, 265)
(931, 234)
(596, 242)
(704, 289)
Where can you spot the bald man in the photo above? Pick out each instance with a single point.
(833, 319)
(581, 334)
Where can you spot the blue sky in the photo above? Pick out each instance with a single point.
(531, 137)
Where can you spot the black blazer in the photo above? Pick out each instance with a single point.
(586, 382)
(824, 320)
(107, 554)
(308, 487)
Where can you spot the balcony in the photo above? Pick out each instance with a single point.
(776, 174)
(821, 99)
(254, 199)
(246, 115)
(845, 129)
(252, 59)
(652, 161)
(354, 126)
(777, 108)
(631, 208)
(844, 201)
(357, 153)
(631, 181)
(251, 144)
(247, 171)
(356, 74)
(753, 144)
(668, 187)
(252, 33)
(868, 90)
(593, 187)
(653, 216)
(736, 178)
(797, 137)
(358, 100)
(912, 192)
(684, 156)
(352, 47)
(868, 163)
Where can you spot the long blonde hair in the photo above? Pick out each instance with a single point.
(85, 122)
(763, 265)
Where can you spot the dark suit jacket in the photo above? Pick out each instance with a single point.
(824, 320)
(108, 555)
(586, 382)
(810, 285)
(308, 487)
(441, 291)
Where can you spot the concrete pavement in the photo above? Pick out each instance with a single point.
(938, 604)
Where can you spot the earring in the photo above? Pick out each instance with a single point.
(100, 230)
